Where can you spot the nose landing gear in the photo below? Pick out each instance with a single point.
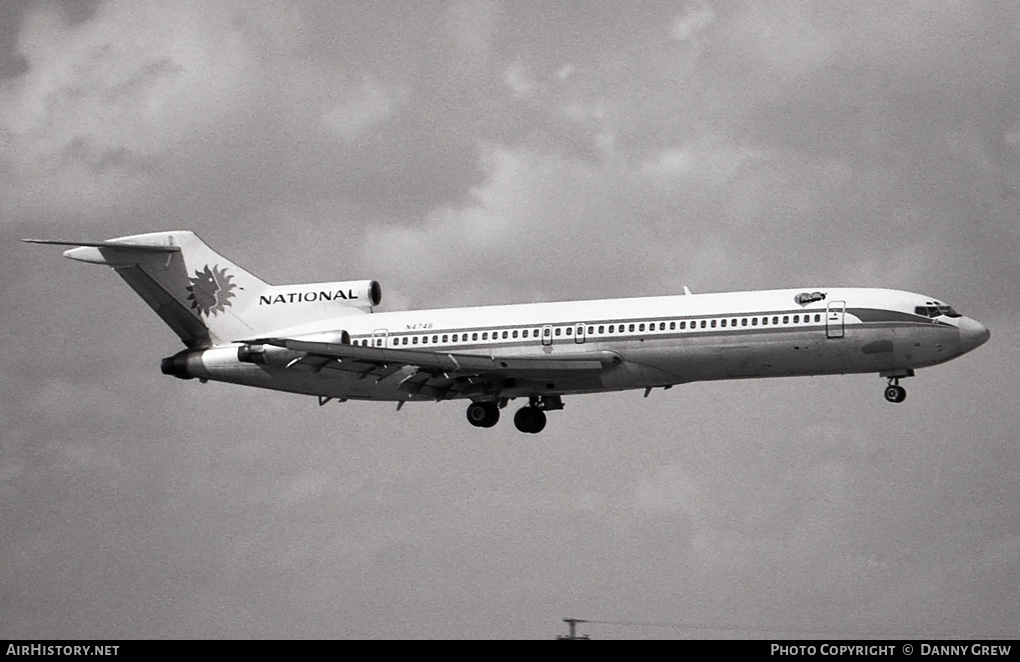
(894, 392)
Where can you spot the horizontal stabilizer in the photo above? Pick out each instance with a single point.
(143, 248)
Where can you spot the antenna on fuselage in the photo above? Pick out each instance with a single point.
(687, 291)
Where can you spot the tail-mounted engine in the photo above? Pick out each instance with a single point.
(271, 355)
(363, 295)
(177, 365)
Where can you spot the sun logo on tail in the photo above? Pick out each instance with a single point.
(210, 290)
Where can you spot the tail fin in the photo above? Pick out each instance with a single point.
(201, 295)
(208, 300)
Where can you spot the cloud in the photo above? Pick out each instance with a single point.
(368, 105)
(136, 78)
(698, 17)
(471, 26)
(111, 111)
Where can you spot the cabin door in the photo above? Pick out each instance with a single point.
(379, 337)
(835, 313)
(579, 333)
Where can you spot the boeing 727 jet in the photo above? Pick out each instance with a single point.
(326, 340)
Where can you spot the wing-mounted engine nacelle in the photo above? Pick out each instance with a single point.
(271, 355)
(361, 294)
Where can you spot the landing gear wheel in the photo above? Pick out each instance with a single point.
(530, 420)
(483, 414)
(895, 393)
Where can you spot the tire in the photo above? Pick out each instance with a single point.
(530, 420)
(895, 393)
(483, 414)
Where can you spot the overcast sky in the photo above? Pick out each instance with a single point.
(484, 152)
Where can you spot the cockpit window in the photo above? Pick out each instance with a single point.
(936, 310)
(948, 311)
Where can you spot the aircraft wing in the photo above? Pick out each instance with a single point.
(439, 374)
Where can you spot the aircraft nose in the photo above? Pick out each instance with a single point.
(973, 334)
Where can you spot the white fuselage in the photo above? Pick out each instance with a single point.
(660, 341)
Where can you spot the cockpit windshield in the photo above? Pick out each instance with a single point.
(936, 310)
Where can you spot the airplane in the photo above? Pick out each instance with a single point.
(325, 339)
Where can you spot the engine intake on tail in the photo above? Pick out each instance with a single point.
(361, 294)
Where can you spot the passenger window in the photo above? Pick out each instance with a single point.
(743, 321)
(602, 328)
(796, 319)
(435, 339)
(786, 319)
(713, 324)
(463, 338)
(485, 335)
(764, 321)
(474, 336)
(569, 330)
(818, 318)
(754, 321)
(631, 328)
(524, 333)
(641, 327)
(414, 340)
(505, 335)
(558, 331)
(446, 338)
(775, 320)
(722, 324)
(610, 328)
(683, 325)
(591, 330)
(515, 333)
(672, 326)
(703, 324)
(424, 340)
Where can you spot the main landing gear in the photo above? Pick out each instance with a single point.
(529, 419)
(483, 414)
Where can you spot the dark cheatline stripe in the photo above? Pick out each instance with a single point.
(879, 315)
